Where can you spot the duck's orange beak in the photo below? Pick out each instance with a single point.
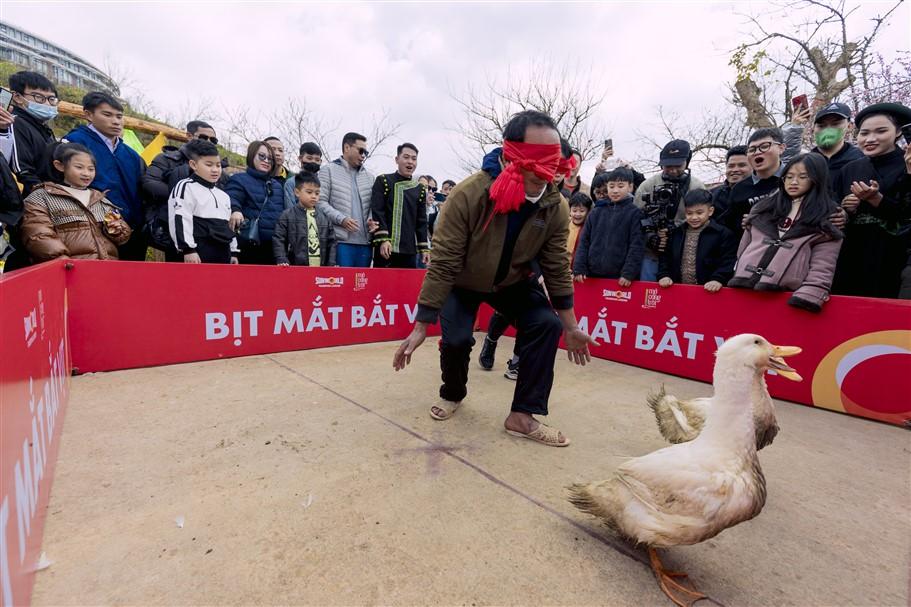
(777, 363)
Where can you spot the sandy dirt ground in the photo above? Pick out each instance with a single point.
(318, 478)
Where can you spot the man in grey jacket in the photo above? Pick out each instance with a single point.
(345, 199)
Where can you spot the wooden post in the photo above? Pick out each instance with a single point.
(72, 109)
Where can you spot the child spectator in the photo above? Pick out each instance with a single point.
(296, 241)
(611, 244)
(700, 251)
(579, 206)
(120, 168)
(199, 211)
(67, 218)
(789, 242)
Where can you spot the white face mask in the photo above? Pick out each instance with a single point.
(41, 111)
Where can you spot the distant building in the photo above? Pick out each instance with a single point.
(60, 65)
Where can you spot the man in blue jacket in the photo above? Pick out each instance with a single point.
(118, 168)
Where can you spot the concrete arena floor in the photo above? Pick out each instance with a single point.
(345, 492)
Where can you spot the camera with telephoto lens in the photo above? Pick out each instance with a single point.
(659, 209)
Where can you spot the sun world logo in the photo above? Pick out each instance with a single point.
(617, 295)
(329, 281)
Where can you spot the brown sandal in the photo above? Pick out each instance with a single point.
(545, 435)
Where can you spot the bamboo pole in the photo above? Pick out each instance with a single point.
(72, 109)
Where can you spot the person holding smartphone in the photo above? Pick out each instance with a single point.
(34, 104)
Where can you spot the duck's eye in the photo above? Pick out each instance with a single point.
(757, 342)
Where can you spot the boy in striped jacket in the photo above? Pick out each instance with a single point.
(198, 210)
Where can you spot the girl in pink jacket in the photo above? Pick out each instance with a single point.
(788, 242)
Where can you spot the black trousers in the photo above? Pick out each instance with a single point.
(135, 248)
(396, 260)
(537, 337)
(497, 326)
(257, 254)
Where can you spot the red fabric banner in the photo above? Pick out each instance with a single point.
(125, 315)
(34, 387)
(856, 353)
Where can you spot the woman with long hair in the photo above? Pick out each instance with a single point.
(788, 243)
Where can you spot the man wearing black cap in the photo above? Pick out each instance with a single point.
(674, 160)
(831, 126)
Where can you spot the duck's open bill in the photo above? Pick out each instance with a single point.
(776, 362)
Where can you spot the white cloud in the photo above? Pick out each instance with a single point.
(348, 60)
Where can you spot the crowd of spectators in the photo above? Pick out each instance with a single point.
(832, 219)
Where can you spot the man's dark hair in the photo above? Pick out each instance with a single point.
(351, 138)
(621, 174)
(95, 99)
(310, 148)
(580, 199)
(197, 148)
(737, 150)
(272, 138)
(450, 182)
(519, 123)
(19, 81)
(195, 125)
(566, 150)
(410, 146)
(694, 197)
(304, 177)
(774, 133)
(599, 180)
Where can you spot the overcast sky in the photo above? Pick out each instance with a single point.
(351, 60)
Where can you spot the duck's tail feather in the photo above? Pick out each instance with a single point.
(672, 421)
(583, 497)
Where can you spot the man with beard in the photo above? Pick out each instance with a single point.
(674, 160)
(398, 205)
(736, 167)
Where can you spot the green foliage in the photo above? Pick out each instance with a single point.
(747, 65)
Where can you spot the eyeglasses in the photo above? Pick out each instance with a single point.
(432, 188)
(264, 158)
(762, 147)
(363, 152)
(39, 98)
(213, 140)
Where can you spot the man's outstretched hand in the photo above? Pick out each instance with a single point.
(577, 342)
(407, 348)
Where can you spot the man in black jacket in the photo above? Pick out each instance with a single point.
(169, 167)
(34, 105)
(172, 165)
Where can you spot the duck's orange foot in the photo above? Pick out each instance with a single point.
(681, 592)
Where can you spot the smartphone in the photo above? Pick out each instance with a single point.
(439, 197)
(608, 144)
(6, 98)
(800, 101)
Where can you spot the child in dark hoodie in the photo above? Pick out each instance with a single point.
(611, 244)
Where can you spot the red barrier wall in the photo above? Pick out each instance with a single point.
(128, 315)
(856, 354)
(34, 387)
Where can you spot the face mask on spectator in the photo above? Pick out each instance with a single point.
(829, 137)
(311, 167)
(41, 111)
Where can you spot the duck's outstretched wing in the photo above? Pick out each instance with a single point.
(679, 421)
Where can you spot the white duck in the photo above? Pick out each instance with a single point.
(687, 493)
(680, 421)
